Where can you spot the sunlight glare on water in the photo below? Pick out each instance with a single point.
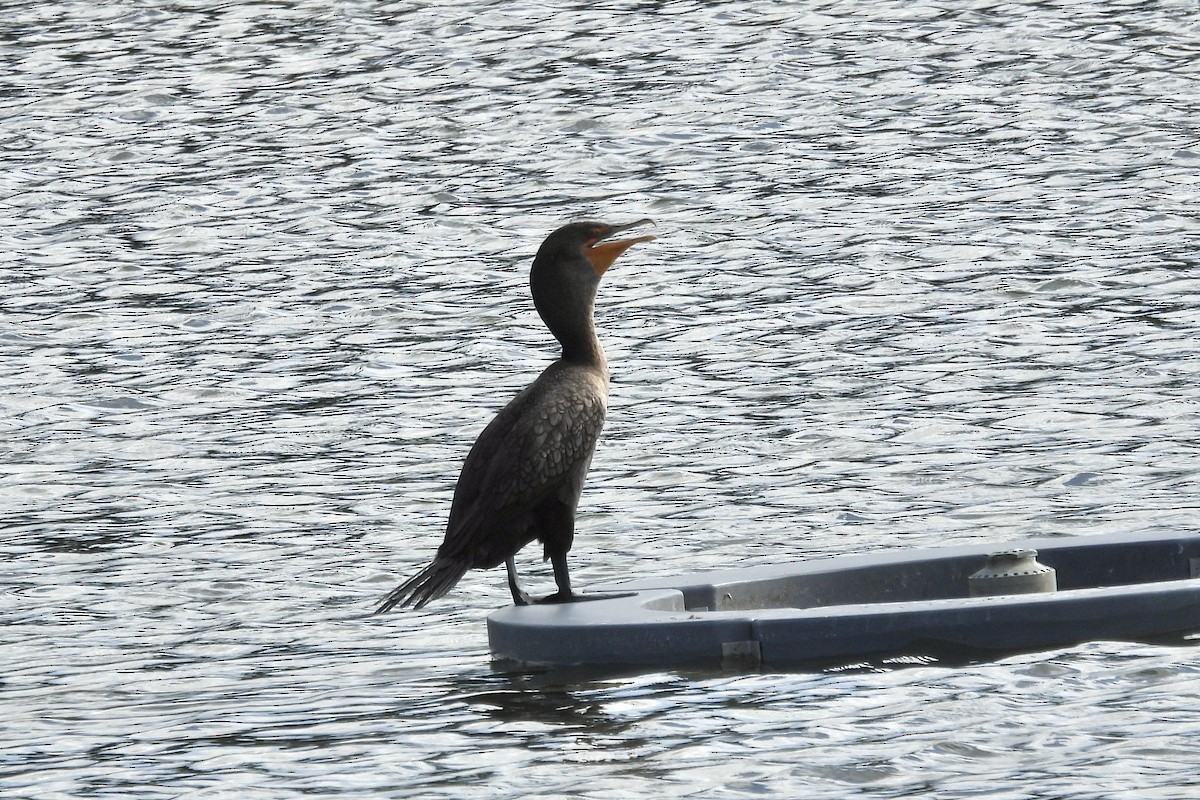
(926, 273)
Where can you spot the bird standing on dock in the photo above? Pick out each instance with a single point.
(522, 479)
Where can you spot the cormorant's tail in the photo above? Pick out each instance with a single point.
(428, 584)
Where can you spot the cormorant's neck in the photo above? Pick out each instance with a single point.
(581, 346)
(564, 293)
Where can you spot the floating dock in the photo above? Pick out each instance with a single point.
(1116, 586)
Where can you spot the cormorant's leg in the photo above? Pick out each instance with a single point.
(563, 579)
(519, 596)
(564, 593)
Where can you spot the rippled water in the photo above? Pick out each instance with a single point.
(927, 273)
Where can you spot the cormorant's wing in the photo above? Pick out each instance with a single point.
(541, 442)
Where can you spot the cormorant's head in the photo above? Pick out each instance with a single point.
(592, 240)
(566, 273)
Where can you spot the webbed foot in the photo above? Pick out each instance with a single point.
(559, 597)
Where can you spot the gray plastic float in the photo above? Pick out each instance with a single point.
(1121, 586)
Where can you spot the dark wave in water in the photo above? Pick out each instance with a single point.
(924, 274)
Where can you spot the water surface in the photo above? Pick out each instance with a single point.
(926, 273)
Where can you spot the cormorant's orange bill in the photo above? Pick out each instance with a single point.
(603, 253)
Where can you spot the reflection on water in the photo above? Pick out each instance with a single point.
(924, 274)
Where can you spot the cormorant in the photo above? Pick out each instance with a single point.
(522, 479)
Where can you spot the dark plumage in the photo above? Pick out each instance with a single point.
(522, 479)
